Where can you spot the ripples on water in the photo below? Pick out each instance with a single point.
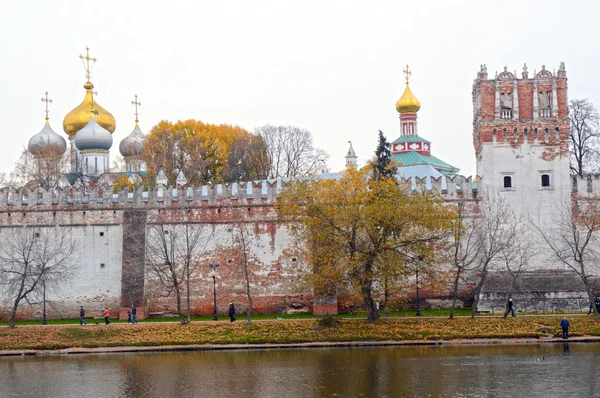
(569, 370)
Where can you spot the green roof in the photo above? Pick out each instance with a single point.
(410, 138)
(415, 158)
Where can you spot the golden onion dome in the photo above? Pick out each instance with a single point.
(408, 103)
(79, 117)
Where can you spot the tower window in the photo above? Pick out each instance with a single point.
(545, 180)
(507, 182)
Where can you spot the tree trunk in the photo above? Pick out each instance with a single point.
(367, 294)
(187, 270)
(13, 314)
(455, 293)
(178, 295)
(249, 311)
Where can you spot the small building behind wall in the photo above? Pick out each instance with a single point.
(537, 291)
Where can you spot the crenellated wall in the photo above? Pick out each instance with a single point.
(112, 229)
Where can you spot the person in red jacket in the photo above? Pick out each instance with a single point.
(106, 314)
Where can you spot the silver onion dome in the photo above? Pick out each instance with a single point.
(47, 142)
(93, 137)
(133, 144)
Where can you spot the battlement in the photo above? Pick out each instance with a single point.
(262, 192)
(587, 186)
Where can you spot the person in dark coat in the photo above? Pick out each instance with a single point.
(231, 312)
(509, 308)
(133, 314)
(128, 316)
(597, 303)
(564, 324)
(82, 316)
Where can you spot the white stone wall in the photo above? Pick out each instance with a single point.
(525, 163)
(92, 286)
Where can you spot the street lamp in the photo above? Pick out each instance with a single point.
(213, 274)
(418, 263)
(44, 320)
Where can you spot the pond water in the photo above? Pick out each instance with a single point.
(562, 370)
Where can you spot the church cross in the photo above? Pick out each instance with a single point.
(47, 101)
(86, 63)
(136, 103)
(407, 73)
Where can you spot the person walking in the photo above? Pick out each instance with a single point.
(128, 316)
(564, 324)
(106, 314)
(231, 312)
(82, 316)
(509, 308)
(597, 303)
(591, 308)
(133, 314)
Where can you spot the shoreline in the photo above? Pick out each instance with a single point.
(306, 345)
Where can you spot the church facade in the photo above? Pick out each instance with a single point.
(520, 138)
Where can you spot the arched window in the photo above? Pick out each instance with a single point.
(507, 182)
(545, 180)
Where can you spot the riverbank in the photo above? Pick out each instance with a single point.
(290, 333)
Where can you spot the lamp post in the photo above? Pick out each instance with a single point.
(213, 274)
(418, 263)
(44, 320)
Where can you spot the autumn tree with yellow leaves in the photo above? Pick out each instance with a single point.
(204, 152)
(358, 230)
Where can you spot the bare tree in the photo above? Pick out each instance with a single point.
(584, 136)
(243, 241)
(247, 160)
(291, 151)
(464, 250)
(42, 171)
(516, 258)
(573, 239)
(34, 259)
(499, 229)
(173, 253)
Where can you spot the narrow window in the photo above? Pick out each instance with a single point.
(507, 182)
(545, 180)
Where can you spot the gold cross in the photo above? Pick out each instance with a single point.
(46, 100)
(86, 63)
(407, 73)
(136, 103)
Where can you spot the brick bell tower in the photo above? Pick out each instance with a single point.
(521, 139)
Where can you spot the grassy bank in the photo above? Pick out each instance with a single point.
(289, 331)
(256, 317)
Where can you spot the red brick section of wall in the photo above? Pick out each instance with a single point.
(485, 124)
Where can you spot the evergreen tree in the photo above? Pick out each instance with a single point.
(382, 167)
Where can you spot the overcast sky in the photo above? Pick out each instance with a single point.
(333, 67)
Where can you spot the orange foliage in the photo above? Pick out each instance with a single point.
(198, 149)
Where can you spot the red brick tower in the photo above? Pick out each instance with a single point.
(520, 136)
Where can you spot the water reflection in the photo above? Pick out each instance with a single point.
(467, 371)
